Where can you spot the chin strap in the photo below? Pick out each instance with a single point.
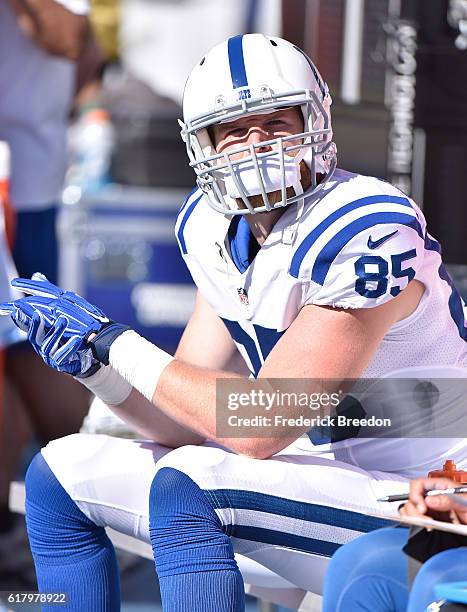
(290, 233)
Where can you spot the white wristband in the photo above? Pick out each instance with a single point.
(107, 385)
(138, 361)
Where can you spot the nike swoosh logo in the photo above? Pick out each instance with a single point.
(374, 244)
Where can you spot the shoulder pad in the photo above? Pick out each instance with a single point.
(183, 217)
(362, 254)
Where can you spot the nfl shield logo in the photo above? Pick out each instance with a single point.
(243, 296)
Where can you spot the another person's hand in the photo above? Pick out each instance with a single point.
(440, 507)
(52, 26)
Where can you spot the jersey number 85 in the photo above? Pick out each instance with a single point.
(380, 276)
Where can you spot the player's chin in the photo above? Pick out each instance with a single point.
(273, 196)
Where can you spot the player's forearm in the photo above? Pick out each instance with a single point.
(189, 395)
(137, 411)
(149, 421)
(184, 392)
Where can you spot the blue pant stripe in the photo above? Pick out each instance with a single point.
(286, 540)
(261, 502)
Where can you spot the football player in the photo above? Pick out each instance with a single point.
(308, 272)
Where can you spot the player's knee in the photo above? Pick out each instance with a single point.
(50, 511)
(446, 566)
(39, 482)
(186, 533)
(174, 494)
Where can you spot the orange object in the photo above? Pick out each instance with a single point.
(2, 388)
(449, 471)
(97, 115)
(9, 217)
(5, 200)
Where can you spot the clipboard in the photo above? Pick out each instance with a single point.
(427, 523)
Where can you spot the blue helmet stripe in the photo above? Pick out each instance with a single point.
(237, 62)
(313, 236)
(328, 254)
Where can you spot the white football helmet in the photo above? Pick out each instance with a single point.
(254, 74)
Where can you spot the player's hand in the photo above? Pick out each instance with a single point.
(52, 302)
(59, 324)
(440, 507)
(21, 311)
(46, 333)
(38, 285)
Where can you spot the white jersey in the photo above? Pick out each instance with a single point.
(359, 242)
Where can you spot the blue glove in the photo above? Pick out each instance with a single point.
(46, 333)
(64, 355)
(77, 309)
(21, 311)
(59, 324)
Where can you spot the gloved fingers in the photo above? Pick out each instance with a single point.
(80, 321)
(90, 309)
(37, 285)
(53, 338)
(67, 359)
(58, 355)
(39, 276)
(22, 310)
(62, 358)
(36, 332)
(21, 319)
(33, 303)
(68, 351)
(16, 307)
(7, 308)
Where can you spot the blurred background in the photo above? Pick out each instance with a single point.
(397, 71)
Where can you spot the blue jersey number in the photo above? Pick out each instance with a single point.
(380, 273)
